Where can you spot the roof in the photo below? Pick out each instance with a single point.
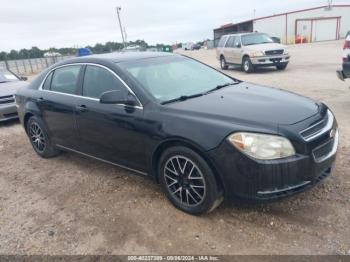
(280, 14)
(128, 56)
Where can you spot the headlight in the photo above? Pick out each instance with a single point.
(257, 53)
(262, 146)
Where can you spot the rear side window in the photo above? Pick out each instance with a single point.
(98, 80)
(65, 79)
(47, 83)
(222, 41)
(230, 42)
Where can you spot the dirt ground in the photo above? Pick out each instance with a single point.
(74, 205)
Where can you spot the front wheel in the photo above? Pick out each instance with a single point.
(39, 138)
(247, 65)
(188, 181)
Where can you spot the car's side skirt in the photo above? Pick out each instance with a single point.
(103, 160)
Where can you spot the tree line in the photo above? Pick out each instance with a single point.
(36, 52)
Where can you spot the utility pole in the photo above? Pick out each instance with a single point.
(118, 8)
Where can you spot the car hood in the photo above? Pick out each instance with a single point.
(265, 47)
(10, 88)
(247, 103)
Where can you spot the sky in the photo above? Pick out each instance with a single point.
(77, 23)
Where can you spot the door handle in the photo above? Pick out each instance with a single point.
(82, 108)
(40, 99)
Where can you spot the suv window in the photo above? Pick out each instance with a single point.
(47, 83)
(98, 80)
(237, 42)
(230, 42)
(222, 41)
(65, 79)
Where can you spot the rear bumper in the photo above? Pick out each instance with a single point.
(8, 112)
(270, 60)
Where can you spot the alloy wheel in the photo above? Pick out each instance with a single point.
(184, 180)
(37, 136)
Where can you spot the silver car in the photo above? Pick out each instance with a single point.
(251, 50)
(9, 84)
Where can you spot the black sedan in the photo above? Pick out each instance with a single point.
(201, 134)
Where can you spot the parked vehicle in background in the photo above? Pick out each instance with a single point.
(9, 84)
(52, 54)
(84, 52)
(196, 47)
(251, 50)
(187, 46)
(201, 134)
(345, 72)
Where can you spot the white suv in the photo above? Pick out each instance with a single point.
(251, 50)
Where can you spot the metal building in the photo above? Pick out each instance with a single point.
(308, 25)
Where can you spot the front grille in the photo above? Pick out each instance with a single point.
(314, 129)
(319, 128)
(274, 52)
(323, 151)
(7, 99)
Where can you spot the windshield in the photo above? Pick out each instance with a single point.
(7, 76)
(255, 39)
(171, 77)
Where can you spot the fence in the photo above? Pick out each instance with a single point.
(31, 66)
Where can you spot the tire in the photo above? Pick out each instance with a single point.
(188, 181)
(39, 138)
(247, 65)
(281, 67)
(223, 64)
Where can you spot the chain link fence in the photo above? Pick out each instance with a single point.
(31, 66)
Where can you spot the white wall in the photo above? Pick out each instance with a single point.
(276, 26)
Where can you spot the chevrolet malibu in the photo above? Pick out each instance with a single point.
(204, 136)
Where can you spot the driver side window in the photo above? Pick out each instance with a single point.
(98, 80)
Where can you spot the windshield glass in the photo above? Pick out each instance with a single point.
(6, 76)
(255, 39)
(171, 77)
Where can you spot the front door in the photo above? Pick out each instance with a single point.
(110, 132)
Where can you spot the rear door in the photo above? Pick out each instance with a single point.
(57, 102)
(237, 50)
(110, 132)
(229, 50)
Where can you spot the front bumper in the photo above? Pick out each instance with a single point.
(270, 60)
(8, 112)
(261, 180)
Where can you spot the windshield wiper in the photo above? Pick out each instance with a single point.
(222, 86)
(181, 98)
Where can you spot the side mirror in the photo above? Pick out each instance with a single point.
(24, 78)
(118, 97)
(238, 45)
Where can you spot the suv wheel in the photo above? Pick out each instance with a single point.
(223, 64)
(188, 181)
(281, 67)
(247, 65)
(39, 138)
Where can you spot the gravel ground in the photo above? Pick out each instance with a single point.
(74, 205)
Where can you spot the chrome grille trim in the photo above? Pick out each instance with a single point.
(7, 99)
(331, 153)
(321, 131)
